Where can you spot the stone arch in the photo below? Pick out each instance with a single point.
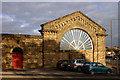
(87, 30)
(57, 29)
(89, 54)
(17, 50)
(77, 29)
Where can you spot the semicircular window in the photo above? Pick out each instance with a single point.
(76, 40)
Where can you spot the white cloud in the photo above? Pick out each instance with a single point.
(36, 31)
(26, 14)
(24, 25)
(26, 17)
(6, 18)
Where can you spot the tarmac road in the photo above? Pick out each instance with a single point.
(65, 78)
(56, 75)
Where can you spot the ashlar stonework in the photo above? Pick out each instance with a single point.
(44, 50)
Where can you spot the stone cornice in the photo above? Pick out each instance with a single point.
(50, 31)
(60, 23)
(82, 21)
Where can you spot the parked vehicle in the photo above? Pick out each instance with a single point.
(76, 64)
(62, 64)
(115, 57)
(94, 67)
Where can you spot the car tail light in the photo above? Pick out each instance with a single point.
(89, 67)
(74, 64)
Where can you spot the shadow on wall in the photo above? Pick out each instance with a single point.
(52, 53)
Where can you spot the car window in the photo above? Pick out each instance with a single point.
(73, 61)
(59, 61)
(78, 61)
(85, 61)
(62, 61)
(81, 61)
(86, 64)
(94, 64)
(100, 65)
(65, 62)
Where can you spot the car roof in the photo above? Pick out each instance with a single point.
(80, 59)
(95, 62)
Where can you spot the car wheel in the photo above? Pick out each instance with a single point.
(108, 72)
(79, 69)
(92, 72)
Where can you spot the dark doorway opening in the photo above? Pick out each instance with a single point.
(17, 58)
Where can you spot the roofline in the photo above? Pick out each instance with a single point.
(22, 35)
(18, 34)
(71, 14)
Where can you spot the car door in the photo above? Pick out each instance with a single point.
(95, 67)
(101, 68)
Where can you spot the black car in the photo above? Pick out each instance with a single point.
(62, 64)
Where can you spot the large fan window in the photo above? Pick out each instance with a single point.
(76, 40)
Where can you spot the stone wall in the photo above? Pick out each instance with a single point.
(31, 46)
(45, 50)
(101, 49)
(51, 58)
(56, 29)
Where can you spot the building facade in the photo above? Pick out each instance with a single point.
(70, 37)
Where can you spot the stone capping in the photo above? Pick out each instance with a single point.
(23, 36)
(83, 18)
(98, 34)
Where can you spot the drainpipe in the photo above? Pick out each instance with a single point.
(43, 52)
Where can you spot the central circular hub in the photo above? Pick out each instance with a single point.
(77, 45)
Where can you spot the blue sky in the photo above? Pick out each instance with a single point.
(26, 17)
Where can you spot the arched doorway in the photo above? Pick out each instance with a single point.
(77, 41)
(17, 54)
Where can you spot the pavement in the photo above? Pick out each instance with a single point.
(53, 73)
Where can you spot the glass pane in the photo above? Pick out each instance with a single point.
(76, 40)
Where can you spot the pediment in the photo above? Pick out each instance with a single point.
(62, 22)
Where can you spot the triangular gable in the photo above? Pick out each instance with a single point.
(56, 24)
